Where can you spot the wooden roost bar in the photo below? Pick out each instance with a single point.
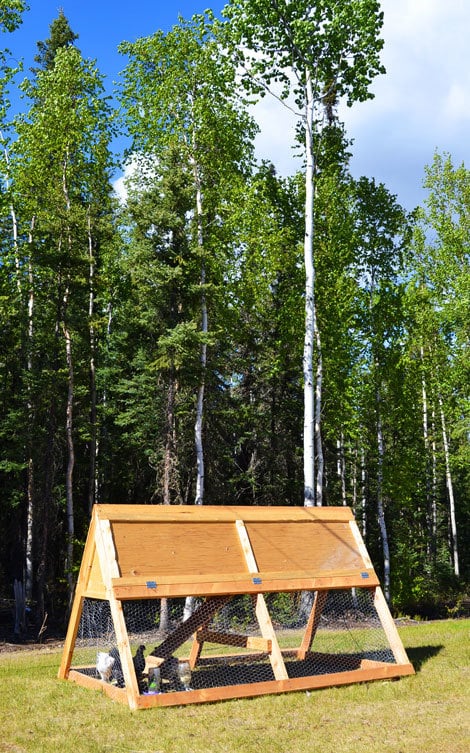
(216, 554)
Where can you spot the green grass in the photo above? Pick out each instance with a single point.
(426, 713)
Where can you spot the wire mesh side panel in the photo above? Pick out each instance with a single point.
(198, 644)
(95, 636)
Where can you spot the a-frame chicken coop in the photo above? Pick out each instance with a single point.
(185, 604)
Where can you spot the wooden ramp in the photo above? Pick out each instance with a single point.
(214, 558)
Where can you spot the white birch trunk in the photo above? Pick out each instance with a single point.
(450, 491)
(199, 500)
(92, 475)
(204, 327)
(434, 477)
(429, 470)
(380, 503)
(341, 471)
(363, 494)
(30, 482)
(70, 462)
(317, 411)
(70, 515)
(309, 421)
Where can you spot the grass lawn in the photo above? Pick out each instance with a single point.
(426, 713)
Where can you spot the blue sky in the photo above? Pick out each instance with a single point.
(102, 25)
(420, 105)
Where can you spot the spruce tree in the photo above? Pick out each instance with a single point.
(61, 35)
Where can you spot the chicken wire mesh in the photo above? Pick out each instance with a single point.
(196, 644)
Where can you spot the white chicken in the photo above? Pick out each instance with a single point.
(104, 665)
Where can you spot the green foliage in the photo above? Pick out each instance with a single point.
(337, 44)
(10, 14)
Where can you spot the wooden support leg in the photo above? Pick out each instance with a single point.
(312, 624)
(77, 606)
(196, 647)
(71, 636)
(267, 631)
(389, 626)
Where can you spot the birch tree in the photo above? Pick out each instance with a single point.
(308, 52)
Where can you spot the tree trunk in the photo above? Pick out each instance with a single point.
(69, 409)
(30, 471)
(363, 494)
(92, 476)
(199, 500)
(380, 503)
(450, 491)
(70, 465)
(168, 464)
(341, 471)
(309, 428)
(318, 409)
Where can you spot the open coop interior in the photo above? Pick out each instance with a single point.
(221, 645)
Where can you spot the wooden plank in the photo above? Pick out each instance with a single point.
(154, 580)
(250, 559)
(390, 628)
(196, 649)
(177, 549)
(85, 681)
(313, 547)
(72, 630)
(273, 686)
(186, 629)
(267, 631)
(312, 624)
(360, 544)
(220, 513)
(138, 589)
(252, 642)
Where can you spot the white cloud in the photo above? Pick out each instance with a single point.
(277, 125)
(457, 103)
(422, 103)
(119, 185)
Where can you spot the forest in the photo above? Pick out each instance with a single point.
(222, 334)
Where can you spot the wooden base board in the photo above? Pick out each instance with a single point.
(368, 671)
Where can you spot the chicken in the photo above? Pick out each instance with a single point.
(117, 667)
(104, 665)
(169, 672)
(139, 661)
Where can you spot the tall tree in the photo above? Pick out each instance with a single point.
(442, 270)
(62, 166)
(381, 235)
(179, 92)
(311, 52)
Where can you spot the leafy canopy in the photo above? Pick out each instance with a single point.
(337, 43)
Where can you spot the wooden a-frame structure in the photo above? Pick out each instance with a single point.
(216, 552)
